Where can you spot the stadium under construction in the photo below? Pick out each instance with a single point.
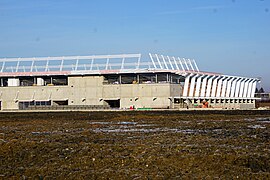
(125, 81)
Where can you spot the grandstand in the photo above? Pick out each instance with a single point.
(125, 81)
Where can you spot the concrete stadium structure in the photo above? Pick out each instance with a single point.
(118, 81)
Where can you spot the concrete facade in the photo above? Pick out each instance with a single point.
(90, 90)
(119, 81)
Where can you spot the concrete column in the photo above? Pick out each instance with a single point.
(219, 87)
(246, 88)
(214, 87)
(233, 87)
(242, 86)
(228, 87)
(237, 89)
(209, 86)
(250, 88)
(204, 86)
(198, 86)
(253, 89)
(224, 87)
(192, 86)
(186, 86)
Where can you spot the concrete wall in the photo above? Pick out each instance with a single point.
(222, 103)
(143, 95)
(90, 90)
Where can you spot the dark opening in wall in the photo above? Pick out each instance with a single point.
(128, 79)
(60, 103)
(27, 104)
(27, 81)
(3, 82)
(113, 103)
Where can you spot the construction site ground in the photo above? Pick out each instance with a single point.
(135, 145)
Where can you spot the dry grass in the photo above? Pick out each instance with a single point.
(135, 145)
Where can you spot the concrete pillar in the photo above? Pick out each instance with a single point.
(233, 87)
(253, 89)
(209, 86)
(250, 88)
(224, 87)
(186, 86)
(204, 86)
(198, 86)
(242, 86)
(214, 87)
(246, 88)
(192, 86)
(237, 88)
(228, 88)
(219, 87)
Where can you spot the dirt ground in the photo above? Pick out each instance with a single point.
(135, 145)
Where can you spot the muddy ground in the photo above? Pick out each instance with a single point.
(135, 145)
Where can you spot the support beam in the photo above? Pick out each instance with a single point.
(186, 85)
(246, 88)
(253, 89)
(170, 62)
(220, 86)
(224, 87)
(192, 86)
(238, 86)
(229, 86)
(189, 62)
(164, 61)
(180, 62)
(161, 67)
(196, 65)
(214, 87)
(185, 61)
(203, 90)
(151, 57)
(209, 86)
(242, 86)
(198, 86)
(175, 63)
(250, 85)
(234, 87)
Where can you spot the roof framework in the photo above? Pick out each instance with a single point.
(94, 64)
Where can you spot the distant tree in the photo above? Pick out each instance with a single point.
(256, 91)
(261, 90)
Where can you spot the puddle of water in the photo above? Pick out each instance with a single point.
(119, 130)
(127, 123)
(99, 122)
(257, 127)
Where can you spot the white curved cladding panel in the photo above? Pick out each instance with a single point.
(246, 88)
(198, 86)
(224, 87)
(253, 89)
(214, 87)
(233, 87)
(237, 89)
(242, 86)
(204, 86)
(228, 88)
(185, 92)
(192, 86)
(209, 86)
(250, 88)
(219, 87)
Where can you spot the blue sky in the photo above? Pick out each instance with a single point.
(227, 36)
